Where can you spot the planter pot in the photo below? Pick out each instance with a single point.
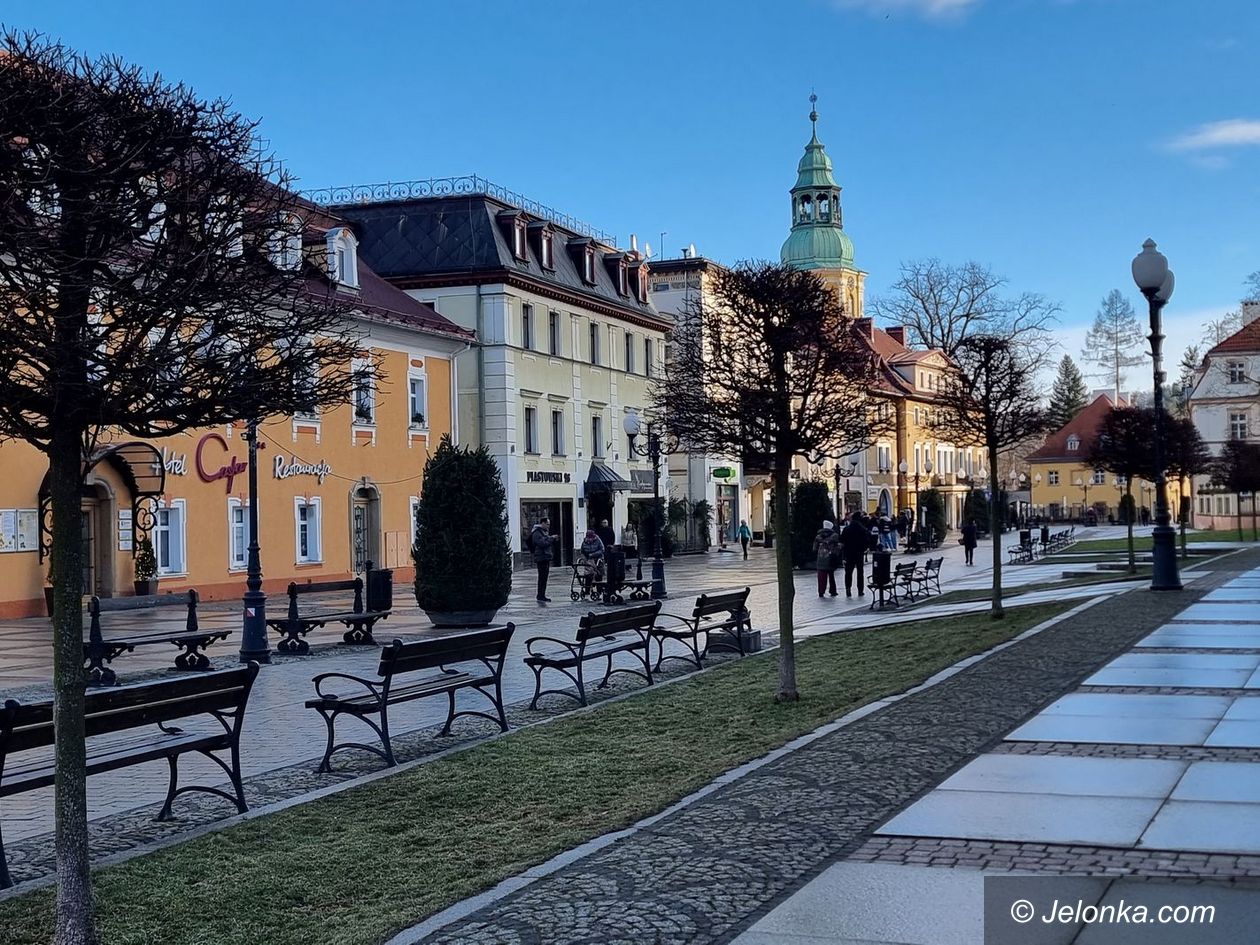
(146, 588)
(449, 619)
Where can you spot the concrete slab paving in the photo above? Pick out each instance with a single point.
(1173, 678)
(1186, 661)
(1213, 826)
(1061, 774)
(1089, 730)
(1237, 593)
(1235, 733)
(1118, 705)
(1236, 913)
(1221, 612)
(1033, 818)
(1206, 641)
(1237, 782)
(1244, 707)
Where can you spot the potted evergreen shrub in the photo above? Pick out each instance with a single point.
(146, 568)
(463, 562)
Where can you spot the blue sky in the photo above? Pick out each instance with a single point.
(1046, 138)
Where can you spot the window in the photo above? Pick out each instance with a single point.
(557, 433)
(286, 241)
(1238, 426)
(343, 260)
(629, 353)
(518, 239)
(553, 332)
(364, 392)
(623, 278)
(594, 343)
(548, 251)
(416, 399)
(168, 539)
(531, 429)
(1052, 477)
(1100, 477)
(415, 504)
(647, 357)
(1237, 372)
(527, 326)
(588, 266)
(1073, 443)
(883, 458)
(307, 526)
(238, 534)
(597, 436)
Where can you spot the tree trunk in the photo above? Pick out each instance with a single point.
(1238, 499)
(787, 582)
(1254, 536)
(995, 530)
(1182, 516)
(75, 908)
(1130, 513)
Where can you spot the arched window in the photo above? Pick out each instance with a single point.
(343, 256)
(807, 209)
(286, 242)
(1073, 443)
(824, 208)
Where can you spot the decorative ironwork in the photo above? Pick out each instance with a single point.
(143, 518)
(449, 187)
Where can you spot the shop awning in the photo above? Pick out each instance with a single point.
(603, 479)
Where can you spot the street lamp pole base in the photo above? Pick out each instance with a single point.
(658, 579)
(254, 644)
(1164, 574)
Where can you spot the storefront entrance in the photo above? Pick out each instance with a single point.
(365, 528)
(561, 516)
(98, 571)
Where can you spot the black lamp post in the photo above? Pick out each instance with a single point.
(842, 471)
(903, 467)
(657, 445)
(1155, 280)
(254, 645)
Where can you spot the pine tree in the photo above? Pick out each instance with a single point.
(1068, 396)
(1111, 342)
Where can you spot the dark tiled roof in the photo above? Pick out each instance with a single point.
(436, 238)
(1084, 425)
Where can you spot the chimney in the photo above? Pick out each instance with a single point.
(1250, 311)
(864, 327)
(634, 243)
(897, 333)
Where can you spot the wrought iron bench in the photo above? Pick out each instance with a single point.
(399, 659)
(221, 694)
(927, 579)
(295, 625)
(723, 614)
(99, 651)
(598, 636)
(903, 581)
(1023, 553)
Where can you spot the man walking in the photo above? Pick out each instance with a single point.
(970, 535)
(745, 536)
(540, 542)
(854, 541)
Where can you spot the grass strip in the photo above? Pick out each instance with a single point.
(1143, 542)
(971, 595)
(359, 866)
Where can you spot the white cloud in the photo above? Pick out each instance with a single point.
(932, 9)
(1231, 133)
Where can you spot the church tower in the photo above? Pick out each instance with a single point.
(818, 240)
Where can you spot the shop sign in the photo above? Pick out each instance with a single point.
(642, 481)
(723, 472)
(286, 468)
(174, 464)
(534, 476)
(228, 471)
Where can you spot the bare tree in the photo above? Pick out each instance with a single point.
(1216, 330)
(1115, 340)
(152, 282)
(1125, 446)
(766, 363)
(941, 304)
(1237, 470)
(991, 399)
(1252, 285)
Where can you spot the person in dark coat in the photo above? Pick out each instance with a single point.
(606, 534)
(854, 541)
(970, 536)
(824, 550)
(540, 542)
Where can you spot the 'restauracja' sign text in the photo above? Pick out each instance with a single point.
(286, 468)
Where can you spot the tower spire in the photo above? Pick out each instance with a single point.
(813, 114)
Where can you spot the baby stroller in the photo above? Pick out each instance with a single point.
(587, 574)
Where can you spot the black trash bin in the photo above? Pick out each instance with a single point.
(380, 589)
(1045, 535)
(881, 568)
(1025, 537)
(615, 568)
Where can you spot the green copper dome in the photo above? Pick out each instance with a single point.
(817, 240)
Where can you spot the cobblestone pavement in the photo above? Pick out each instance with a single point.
(704, 873)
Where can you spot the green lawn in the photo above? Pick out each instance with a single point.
(359, 866)
(1014, 593)
(1142, 542)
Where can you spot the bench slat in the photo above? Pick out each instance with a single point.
(400, 657)
(638, 617)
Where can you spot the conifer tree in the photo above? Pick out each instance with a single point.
(1068, 396)
(1115, 341)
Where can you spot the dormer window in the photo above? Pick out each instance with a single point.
(623, 278)
(588, 265)
(1073, 443)
(285, 246)
(519, 249)
(343, 256)
(643, 284)
(548, 252)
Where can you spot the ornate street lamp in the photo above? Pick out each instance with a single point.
(903, 467)
(1155, 280)
(657, 444)
(254, 645)
(842, 470)
(1083, 485)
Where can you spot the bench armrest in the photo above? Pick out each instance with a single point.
(529, 644)
(371, 686)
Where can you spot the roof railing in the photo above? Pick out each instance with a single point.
(448, 187)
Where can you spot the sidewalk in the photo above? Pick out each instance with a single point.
(710, 871)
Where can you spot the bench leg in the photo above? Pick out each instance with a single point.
(165, 812)
(292, 643)
(450, 715)
(498, 705)
(191, 659)
(329, 720)
(5, 879)
(358, 633)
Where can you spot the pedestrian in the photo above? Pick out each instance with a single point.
(592, 559)
(540, 542)
(854, 541)
(606, 534)
(970, 535)
(745, 536)
(825, 558)
(887, 534)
